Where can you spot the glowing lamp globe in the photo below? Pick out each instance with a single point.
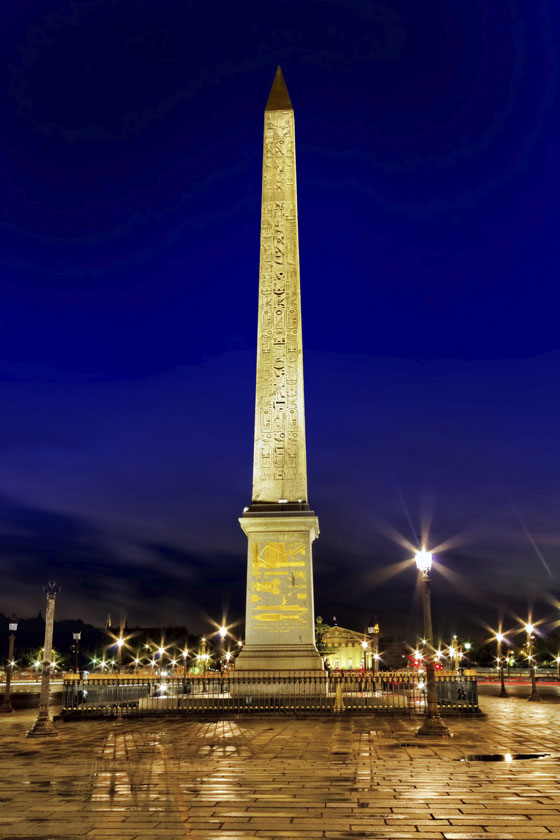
(529, 628)
(423, 560)
(500, 637)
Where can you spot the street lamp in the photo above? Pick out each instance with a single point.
(375, 647)
(222, 632)
(120, 643)
(364, 648)
(499, 639)
(557, 660)
(185, 654)
(534, 696)
(44, 726)
(433, 724)
(203, 654)
(6, 703)
(76, 636)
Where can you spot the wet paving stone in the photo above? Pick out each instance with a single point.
(287, 778)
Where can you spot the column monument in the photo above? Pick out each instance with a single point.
(280, 527)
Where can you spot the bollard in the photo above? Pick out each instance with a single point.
(338, 701)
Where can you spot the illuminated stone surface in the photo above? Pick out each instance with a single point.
(279, 465)
(278, 778)
(279, 618)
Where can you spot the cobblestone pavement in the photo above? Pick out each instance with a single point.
(283, 778)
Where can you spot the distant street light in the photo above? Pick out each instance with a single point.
(76, 636)
(534, 697)
(375, 648)
(499, 639)
(6, 702)
(203, 654)
(433, 724)
(120, 643)
(44, 726)
(558, 663)
(364, 649)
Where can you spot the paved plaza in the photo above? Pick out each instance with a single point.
(367, 777)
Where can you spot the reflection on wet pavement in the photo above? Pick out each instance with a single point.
(301, 778)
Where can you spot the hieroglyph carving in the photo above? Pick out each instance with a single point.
(280, 595)
(279, 467)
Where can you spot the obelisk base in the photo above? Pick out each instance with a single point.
(270, 659)
(279, 623)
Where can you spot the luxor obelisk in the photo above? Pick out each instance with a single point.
(280, 527)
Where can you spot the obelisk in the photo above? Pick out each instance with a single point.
(280, 527)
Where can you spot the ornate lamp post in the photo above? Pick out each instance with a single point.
(451, 653)
(433, 724)
(6, 702)
(222, 633)
(120, 643)
(534, 696)
(499, 639)
(44, 726)
(77, 636)
(185, 655)
(375, 648)
(364, 659)
(203, 655)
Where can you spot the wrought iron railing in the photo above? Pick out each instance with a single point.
(244, 693)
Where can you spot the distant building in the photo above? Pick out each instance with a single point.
(345, 650)
(348, 650)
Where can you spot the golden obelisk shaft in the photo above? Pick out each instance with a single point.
(279, 466)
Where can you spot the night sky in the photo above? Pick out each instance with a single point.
(428, 155)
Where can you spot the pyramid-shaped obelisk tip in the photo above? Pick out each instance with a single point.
(279, 98)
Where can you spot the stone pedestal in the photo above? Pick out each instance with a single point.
(279, 624)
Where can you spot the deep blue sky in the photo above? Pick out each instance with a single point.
(428, 154)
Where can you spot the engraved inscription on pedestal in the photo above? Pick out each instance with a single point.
(279, 622)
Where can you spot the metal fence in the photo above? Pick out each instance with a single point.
(275, 693)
